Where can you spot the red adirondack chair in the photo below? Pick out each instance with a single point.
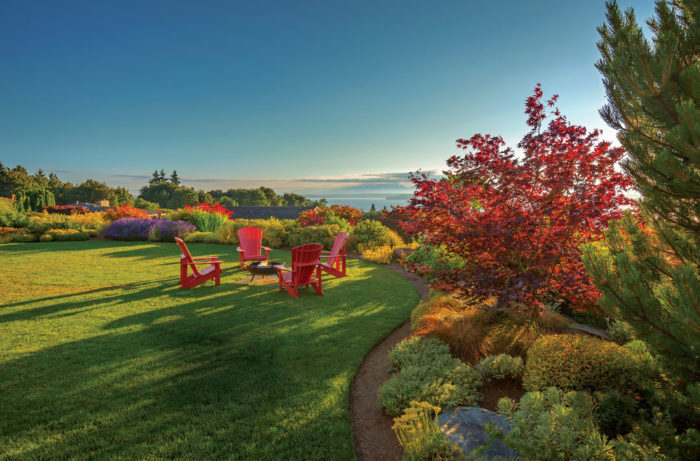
(212, 271)
(335, 259)
(306, 270)
(250, 245)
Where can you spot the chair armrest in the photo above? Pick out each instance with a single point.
(266, 248)
(208, 262)
(207, 257)
(239, 249)
(283, 269)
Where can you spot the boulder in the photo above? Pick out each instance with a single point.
(464, 426)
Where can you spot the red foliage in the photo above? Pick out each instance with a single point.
(215, 208)
(348, 212)
(519, 220)
(66, 209)
(124, 211)
(311, 217)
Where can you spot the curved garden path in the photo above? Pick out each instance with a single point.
(371, 427)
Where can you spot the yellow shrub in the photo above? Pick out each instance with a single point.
(379, 255)
(575, 362)
(419, 433)
(273, 231)
(66, 235)
(88, 221)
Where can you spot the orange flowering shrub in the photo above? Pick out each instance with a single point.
(575, 362)
(124, 211)
(348, 212)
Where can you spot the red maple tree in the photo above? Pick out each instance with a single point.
(518, 221)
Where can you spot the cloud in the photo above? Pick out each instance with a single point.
(131, 176)
(361, 185)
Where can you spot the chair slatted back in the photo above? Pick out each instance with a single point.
(305, 259)
(250, 240)
(187, 256)
(337, 246)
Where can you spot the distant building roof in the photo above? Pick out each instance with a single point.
(92, 207)
(267, 212)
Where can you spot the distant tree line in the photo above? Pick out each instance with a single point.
(161, 192)
(18, 181)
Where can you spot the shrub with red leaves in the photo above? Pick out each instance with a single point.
(313, 217)
(124, 211)
(66, 209)
(348, 212)
(519, 221)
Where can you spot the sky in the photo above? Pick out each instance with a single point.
(315, 97)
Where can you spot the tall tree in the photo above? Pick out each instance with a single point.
(174, 178)
(155, 178)
(649, 273)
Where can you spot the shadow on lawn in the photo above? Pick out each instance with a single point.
(254, 374)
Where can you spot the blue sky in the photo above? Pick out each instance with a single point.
(318, 97)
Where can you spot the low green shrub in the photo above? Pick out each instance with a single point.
(24, 237)
(500, 366)
(275, 232)
(616, 413)
(554, 425)
(6, 205)
(146, 205)
(41, 223)
(416, 350)
(201, 237)
(419, 434)
(621, 332)
(67, 235)
(12, 218)
(429, 260)
(575, 362)
(324, 234)
(371, 234)
(427, 372)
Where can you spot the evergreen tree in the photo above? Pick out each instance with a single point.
(648, 273)
(174, 178)
(161, 176)
(155, 179)
(373, 208)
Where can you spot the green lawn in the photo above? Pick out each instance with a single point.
(102, 356)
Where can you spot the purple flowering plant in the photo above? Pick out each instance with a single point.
(147, 229)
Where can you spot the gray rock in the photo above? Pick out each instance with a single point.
(464, 426)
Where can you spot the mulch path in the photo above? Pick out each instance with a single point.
(371, 427)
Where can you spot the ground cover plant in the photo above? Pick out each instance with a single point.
(102, 356)
(426, 372)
